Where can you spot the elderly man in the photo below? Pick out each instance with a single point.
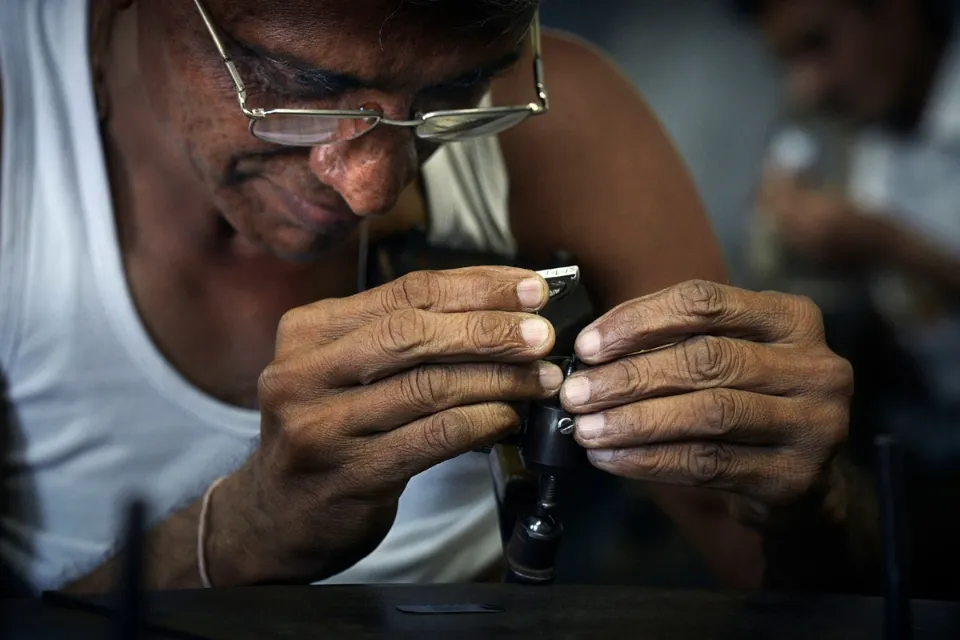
(183, 184)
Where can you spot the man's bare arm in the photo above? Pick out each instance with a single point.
(909, 252)
(231, 547)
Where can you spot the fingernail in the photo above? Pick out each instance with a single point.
(588, 344)
(534, 331)
(551, 377)
(577, 390)
(600, 455)
(531, 293)
(590, 427)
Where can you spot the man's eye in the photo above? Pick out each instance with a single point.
(269, 82)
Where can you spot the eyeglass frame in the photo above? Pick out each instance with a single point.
(257, 114)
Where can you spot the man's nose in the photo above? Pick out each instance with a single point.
(370, 172)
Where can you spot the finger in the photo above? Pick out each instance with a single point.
(767, 474)
(699, 307)
(735, 417)
(457, 290)
(703, 362)
(411, 337)
(403, 453)
(420, 392)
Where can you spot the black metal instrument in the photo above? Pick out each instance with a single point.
(547, 448)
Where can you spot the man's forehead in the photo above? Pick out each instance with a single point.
(396, 39)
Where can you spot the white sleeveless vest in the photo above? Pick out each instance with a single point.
(96, 412)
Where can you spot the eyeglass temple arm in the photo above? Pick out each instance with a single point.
(228, 63)
(538, 76)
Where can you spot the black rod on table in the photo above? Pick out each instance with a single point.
(897, 624)
(130, 585)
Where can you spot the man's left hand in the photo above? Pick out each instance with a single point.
(708, 385)
(819, 223)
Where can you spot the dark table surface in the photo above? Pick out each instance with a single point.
(290, 613)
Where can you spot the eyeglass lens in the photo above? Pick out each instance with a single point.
(309, 129)
(306, 130)
(460, 126)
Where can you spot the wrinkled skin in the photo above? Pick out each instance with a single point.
(192, 96)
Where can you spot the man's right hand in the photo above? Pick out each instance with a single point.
(367, 391)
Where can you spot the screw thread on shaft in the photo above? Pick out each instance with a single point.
(548, 494)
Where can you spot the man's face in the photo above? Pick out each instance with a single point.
(400, 57)
(846, 57)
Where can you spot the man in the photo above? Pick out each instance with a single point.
(890, 70)
(180, 293)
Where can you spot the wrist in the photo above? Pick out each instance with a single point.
(235, 542)
(824, 503)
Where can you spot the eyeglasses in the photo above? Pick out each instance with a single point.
(313, 127)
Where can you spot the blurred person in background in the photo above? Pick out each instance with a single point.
(885, 76)
(889, 71)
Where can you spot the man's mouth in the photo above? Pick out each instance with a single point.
(317, 216)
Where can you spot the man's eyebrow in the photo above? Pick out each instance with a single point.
(332, 81)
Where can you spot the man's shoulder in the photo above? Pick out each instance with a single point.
(572, 68)
(590, 97)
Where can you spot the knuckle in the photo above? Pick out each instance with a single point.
(708, 462)
(708, 359)
(630, 374)
(463, 428)
(417, 290)
(699, 298)
(799, 480)
(661, 465)
(443, 432)
(837, 427)
(830, 375)
(808, 317)
(506, 380)
(721, 411)
(624, 323)
(843, 377)
(293, 324)
(404, 331)
(303, 445)
(423, 387)
(363, 474)
(272, 389)
(486, 331)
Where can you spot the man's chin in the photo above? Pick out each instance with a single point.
(307, 246)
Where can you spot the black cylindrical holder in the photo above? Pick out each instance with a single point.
(897, 623)
(532, 551)
(546, 443)
(547, 447)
